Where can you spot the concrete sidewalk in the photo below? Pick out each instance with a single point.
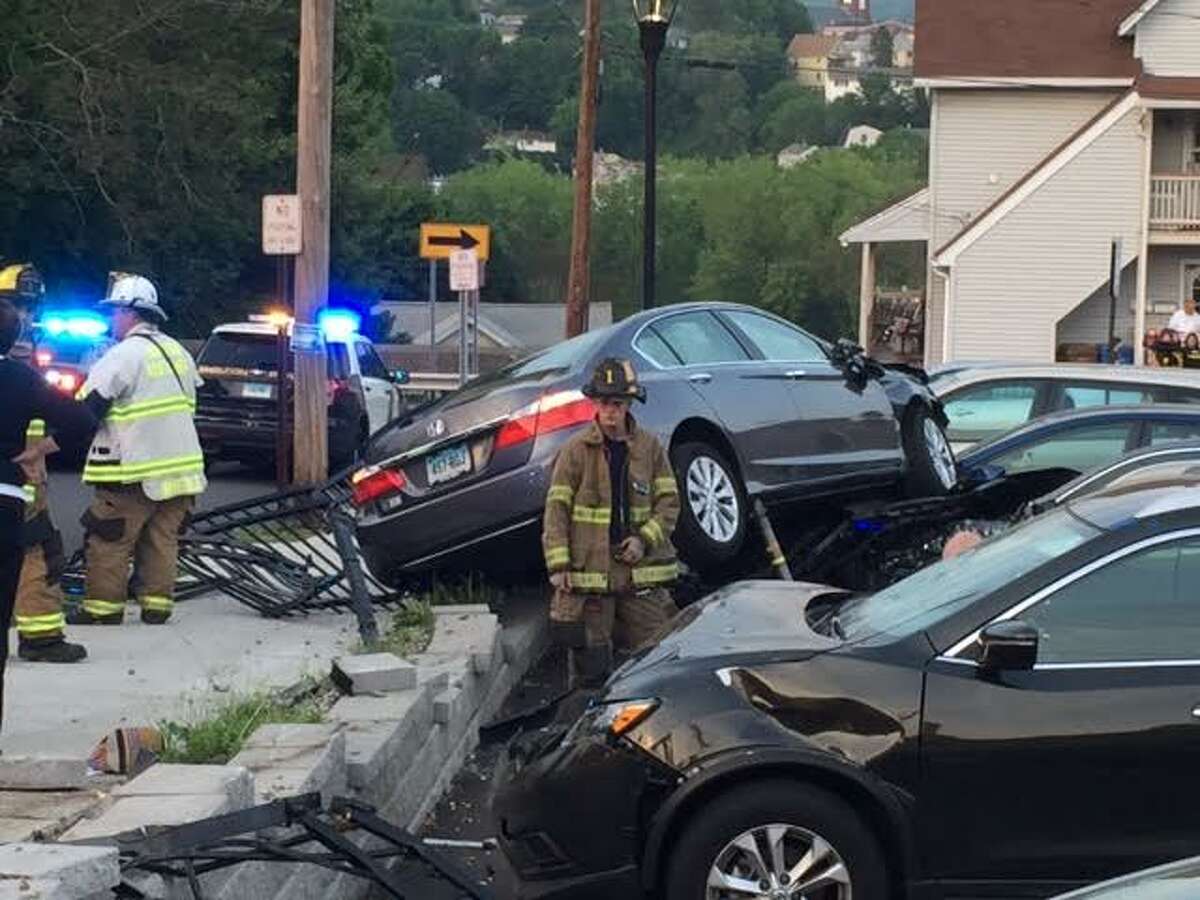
(138, 674)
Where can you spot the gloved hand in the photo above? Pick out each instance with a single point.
(560, 580)
(632, 551)
(32, 460)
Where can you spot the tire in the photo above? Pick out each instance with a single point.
(931, 470)
(807, 814)
(707, 540)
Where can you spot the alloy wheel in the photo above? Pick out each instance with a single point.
(940, 454)
(778, 862)
(713, 499)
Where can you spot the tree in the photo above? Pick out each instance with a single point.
(788, 114)
(883, 49)
(434, 124)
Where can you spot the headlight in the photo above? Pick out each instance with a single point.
(615, 719)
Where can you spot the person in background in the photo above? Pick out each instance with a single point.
(1187, 320)
(27, 397)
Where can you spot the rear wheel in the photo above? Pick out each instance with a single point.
(712, 521)
(932, 470)
(776, 840)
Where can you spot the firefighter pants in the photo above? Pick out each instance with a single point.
(624, 620)
(125, 526)
(39, 609)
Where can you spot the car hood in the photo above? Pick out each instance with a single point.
(749, 617)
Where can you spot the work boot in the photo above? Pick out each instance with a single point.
(80, 616)
(155, 617)
(56, 650)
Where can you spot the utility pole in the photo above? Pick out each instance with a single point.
(585, 143)
(311, 441)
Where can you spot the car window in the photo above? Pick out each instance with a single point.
(337, 361)
(260, 353)
(986, 410)
(567, 356)
(651, 344)
(1080, 448)
(947, 587)
(1166, 432)
(1139, 608)
(369, 363)
(698, 338)
(1079, 396)
(777, 342)
(1179, 395)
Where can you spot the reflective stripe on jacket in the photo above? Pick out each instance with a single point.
(575, 532)
(149, 435)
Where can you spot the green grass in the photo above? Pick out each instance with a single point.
(218, 735)
(408, 633)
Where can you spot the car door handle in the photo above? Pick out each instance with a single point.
(796, 374)
(700, 378)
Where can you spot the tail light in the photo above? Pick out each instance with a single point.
(369, 485)
(553, 412)
(63, 380)
(44, 358)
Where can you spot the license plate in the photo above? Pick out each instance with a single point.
(448, 464)
(256, 391)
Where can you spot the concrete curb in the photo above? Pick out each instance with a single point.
(395, 749)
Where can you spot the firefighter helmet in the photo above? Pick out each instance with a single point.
(133, 292)
(615, 379)
(21, 284)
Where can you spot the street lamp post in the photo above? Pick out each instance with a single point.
(653, 24)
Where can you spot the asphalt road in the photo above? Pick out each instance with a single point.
(69, 497)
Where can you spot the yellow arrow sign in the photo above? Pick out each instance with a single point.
(439, 240)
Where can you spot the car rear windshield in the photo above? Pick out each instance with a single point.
(568, 356)
(260, 353)
(946, 587)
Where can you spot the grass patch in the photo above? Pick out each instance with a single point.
(408, 633)
(218, 736)
(472, 589)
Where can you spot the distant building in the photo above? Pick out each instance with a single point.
(862, 136)
(610, 168)
(795, 155)
(522, 142)
(808, 55)
(509, 27)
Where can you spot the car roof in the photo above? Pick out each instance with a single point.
(1143, 458)
(1111, 511)
(953, 377)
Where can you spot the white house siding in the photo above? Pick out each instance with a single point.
(1051, 252)
(1167, 38)
(1164, 285)
(1088, 322)
(978, 134)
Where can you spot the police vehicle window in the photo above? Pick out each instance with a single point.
(260, 353)
(986, 410)
(651, 344)
(698, 338)
(1080, 449)
(369, 362)
(1092, 619)
(1079, 396)
(337, 361)
(778, 342)
(1166, 432)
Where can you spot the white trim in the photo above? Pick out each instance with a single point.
(8, 490)
(1013, 611)
(1084, 666)
(1048, 170)
(1141, 299)
(1007, 81)
(1131, 21)
(1167, 103)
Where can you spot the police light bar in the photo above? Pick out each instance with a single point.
(338, 324)
(82, 325)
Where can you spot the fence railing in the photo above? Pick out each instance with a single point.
(1175, 201)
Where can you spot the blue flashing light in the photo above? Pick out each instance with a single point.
(868, 526)
(77, 325)
(339, 324)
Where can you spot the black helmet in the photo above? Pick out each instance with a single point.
(615, 378)
(21, 284)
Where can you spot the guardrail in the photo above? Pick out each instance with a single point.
(1175, 201)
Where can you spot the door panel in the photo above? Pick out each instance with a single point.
(378, 390)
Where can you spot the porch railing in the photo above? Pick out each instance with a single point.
(1175, 201)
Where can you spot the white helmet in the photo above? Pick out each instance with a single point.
(133, 292)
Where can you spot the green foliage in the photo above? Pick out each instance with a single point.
(217, 734)
(883, 48)
(408, 633)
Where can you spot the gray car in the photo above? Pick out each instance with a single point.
(749, 405)
(1175, 881)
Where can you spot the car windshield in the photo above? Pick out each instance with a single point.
(567, 356)
(946, 587)
(260, 353)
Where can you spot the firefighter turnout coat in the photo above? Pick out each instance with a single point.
(148, 436)
(575, 533)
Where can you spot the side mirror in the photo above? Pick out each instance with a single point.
(1010, 646)
(400, 376)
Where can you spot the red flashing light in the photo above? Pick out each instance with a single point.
(373, 484)
(44, 358)
(553, 412)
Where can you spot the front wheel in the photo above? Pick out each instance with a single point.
(712, 521)
(932, 470)
(777, 839)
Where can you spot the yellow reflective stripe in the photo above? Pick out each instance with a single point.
(36, 430)
(164, 406)
(655, 574)
(652, 532)
(557, 556)
(639, 514)
(103, 607)
(37, 625)
(179, 487)
(592, 515)
(665, 485)
(164, 604)
(560, 493)
(160, 468)
(30, 493)
(589, 581)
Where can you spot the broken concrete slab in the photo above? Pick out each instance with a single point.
(288, 771)
(374, 673)
(231, 782)
(133, 813)
(78, 871)
(41, 773)
(293, 735)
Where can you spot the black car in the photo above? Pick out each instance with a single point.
(1014, 722)
(747, 403)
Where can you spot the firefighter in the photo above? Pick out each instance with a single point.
(145, 462)
(39, 603)
(610, 513)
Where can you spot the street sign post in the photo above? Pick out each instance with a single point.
(467, 248)
(282, 229)
(440, 239)
(464, 271)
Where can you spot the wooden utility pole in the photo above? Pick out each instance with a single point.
(311, 442)
(585, 143)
